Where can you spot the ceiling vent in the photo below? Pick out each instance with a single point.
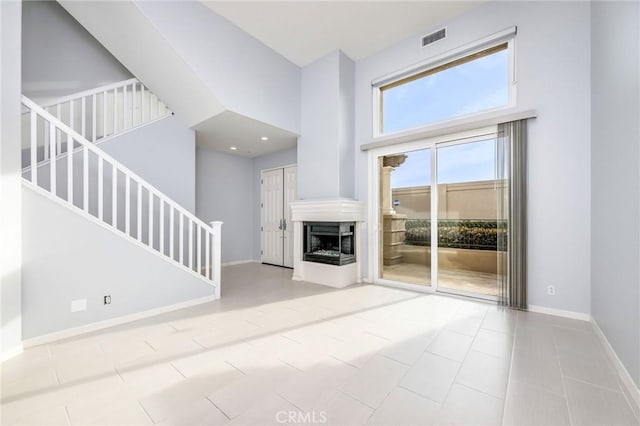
(433, 37)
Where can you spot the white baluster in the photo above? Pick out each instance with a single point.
(150, 112)
(34, 147)
(127, 205)
(139, 212)
(93, 123)
(161, 224)
(58, 134)
(69, 169)
(190, 244)
(171, 231)
(83, 117)
(100, 187)
(104, 114)
(181, 239)
(52, 163)
(216, 255)
(47, 155)
(115, 111)
(133, 108)
(114, 196)
(199, 246)
(207, 254)
(141, 103)
(150, 218)
(124, 107)
(85, 179)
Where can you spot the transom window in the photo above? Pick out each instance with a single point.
(471, 84)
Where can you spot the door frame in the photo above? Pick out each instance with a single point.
(373, 215)
(261, 210)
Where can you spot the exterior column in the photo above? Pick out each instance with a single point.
(385, 187)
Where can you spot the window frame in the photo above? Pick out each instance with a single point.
(463, 55)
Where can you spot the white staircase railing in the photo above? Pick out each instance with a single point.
(87, 178)
(104, 111)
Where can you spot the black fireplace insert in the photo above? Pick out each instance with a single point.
(329, 242)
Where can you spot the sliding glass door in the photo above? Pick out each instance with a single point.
(405, 217)
(439, 216)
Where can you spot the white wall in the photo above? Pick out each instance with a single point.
(145, 51)
(325, 145)
(10, 181)
(248, 77)
(271, 161)
(346, 111)
(224, 192)
(68, 257)
(615, 184)
(553, 66)
(59, 56)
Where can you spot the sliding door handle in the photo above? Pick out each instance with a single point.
(284, 222)
(280, 225)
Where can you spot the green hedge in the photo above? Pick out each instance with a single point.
(460, 233)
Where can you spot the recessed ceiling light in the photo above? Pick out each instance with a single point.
(264, 138)
(232, 148)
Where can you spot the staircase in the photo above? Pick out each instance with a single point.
(61, 160)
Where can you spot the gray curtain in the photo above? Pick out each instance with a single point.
(511, 156)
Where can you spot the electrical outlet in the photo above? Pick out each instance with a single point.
(78, 305)
(551, 290)
(107, 300)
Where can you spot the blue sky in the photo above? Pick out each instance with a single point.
(459, 163)
(464, 89)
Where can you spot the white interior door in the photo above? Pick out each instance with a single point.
(290, 193)
(272, 217)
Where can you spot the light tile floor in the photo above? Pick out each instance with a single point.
(273, 351)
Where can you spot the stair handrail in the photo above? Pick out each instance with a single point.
(213, 230)
(89, 92)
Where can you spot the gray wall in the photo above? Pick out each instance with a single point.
(553, 64)
(164, 153)
(270, 161)
(68, 257)
(615, 184)
(346, 111)
(59, 56)
(224, 191)
(228, 189)
(10, 181)
(325, 146)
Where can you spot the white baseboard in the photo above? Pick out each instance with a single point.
(625, 377)
(559, 312)
(83, 329)
(240, 262)
(11, 353)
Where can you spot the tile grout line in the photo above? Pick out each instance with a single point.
(564, 385)
(145, 411)
(513, 348)
(66, 413)
(218, 408)
(176, 368)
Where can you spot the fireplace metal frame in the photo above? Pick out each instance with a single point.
(337, 230)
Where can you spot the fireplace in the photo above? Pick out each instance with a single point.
(327, 236)
(331, 243)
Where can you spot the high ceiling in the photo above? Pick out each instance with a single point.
(303, 31)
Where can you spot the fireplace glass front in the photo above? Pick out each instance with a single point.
(329, 242)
